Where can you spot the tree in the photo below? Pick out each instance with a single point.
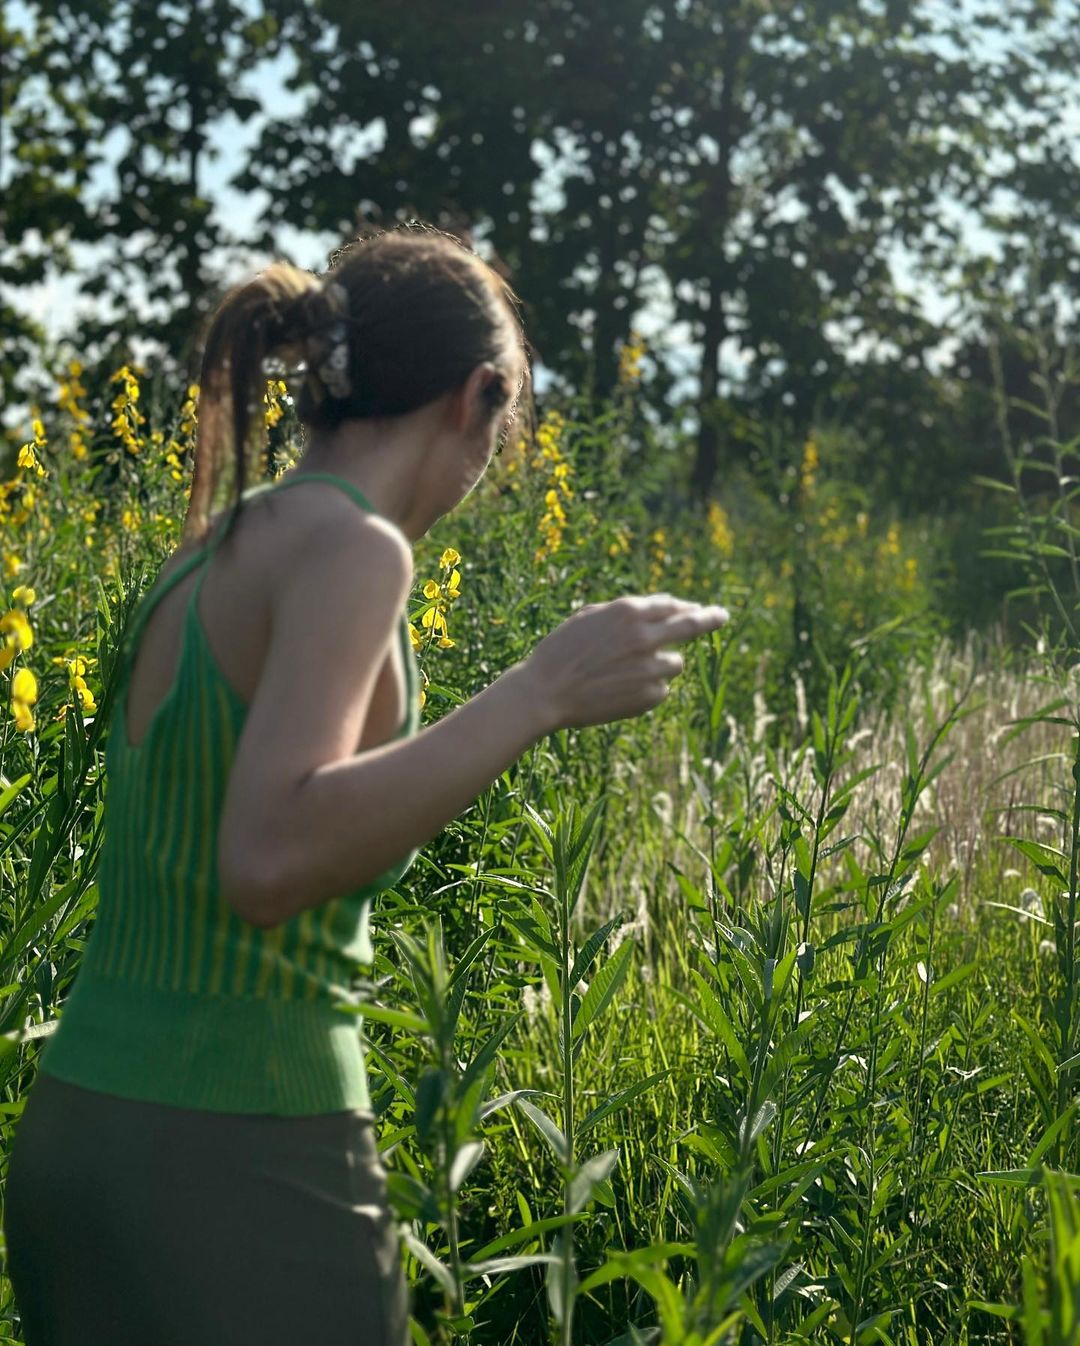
(45, 168)
(762, 155)
(159, 77)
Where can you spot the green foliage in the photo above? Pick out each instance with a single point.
(698, 1028)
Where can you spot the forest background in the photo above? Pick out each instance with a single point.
(732, 179)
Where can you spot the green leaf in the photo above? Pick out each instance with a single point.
(395, 1018)
(716, 1017)
(486, 1054)
(556, 1289)
(504, 1100)
(499, 1265)
(527, 1232)
(620, 1100)
(465, 1161)
(762, 1118)
(13, 791)
(458, 979)
(591, 1172)
(430, 1092)
(591, 947)
(534, 934)
(602, 988)
(1044, 858)
(547, 1129)
(427, 1258)
(1017, 1177)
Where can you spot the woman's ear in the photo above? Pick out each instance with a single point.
(475, 408)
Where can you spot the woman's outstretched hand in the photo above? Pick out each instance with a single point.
(608, 661)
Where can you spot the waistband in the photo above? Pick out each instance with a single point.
(222, 1053)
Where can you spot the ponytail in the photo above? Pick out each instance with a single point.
(260, 318)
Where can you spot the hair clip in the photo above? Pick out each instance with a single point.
(334, 370)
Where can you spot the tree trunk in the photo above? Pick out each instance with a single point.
(707, 459)
(190, 258)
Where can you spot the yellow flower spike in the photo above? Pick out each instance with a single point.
(14, 622)
(24, 719)
(453, 585)
(27, 460)
(449, 558)
(431, 589)
(39, 431)
(630, 358)
(722, 537)
(24, 686)
(24, 594)
(810, 464)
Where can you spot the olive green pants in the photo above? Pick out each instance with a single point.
(135, 1224)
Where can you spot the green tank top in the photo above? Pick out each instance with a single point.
(177, 999)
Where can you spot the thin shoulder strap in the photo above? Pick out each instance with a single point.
(158, 591)
(206, 550)
(347, 486)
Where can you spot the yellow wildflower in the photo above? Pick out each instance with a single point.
(810, 464)
(890, 546)
(24, 686)
(24, 594)
(434, 618)
(17, 629)
(71, 390)
(630, 358)
(621, 543)
(27, 459)
(548, 434)
(189, 411)
(128, 418)
(24, 692)
(24, 716)
(722, 537)
(449, 558)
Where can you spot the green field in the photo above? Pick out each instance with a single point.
(754, 1019)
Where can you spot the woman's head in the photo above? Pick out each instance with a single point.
(402, 319)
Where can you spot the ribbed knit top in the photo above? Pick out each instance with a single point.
(178, 999)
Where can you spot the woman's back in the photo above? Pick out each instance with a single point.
(232, 613)
(179, 999)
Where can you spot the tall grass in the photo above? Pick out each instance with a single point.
(753, 1020)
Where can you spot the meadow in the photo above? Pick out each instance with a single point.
(752, 1020)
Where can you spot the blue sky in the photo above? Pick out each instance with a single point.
(57, 299)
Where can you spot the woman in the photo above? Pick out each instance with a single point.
(196, 1163)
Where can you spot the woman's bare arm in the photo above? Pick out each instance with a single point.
(305, 818)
